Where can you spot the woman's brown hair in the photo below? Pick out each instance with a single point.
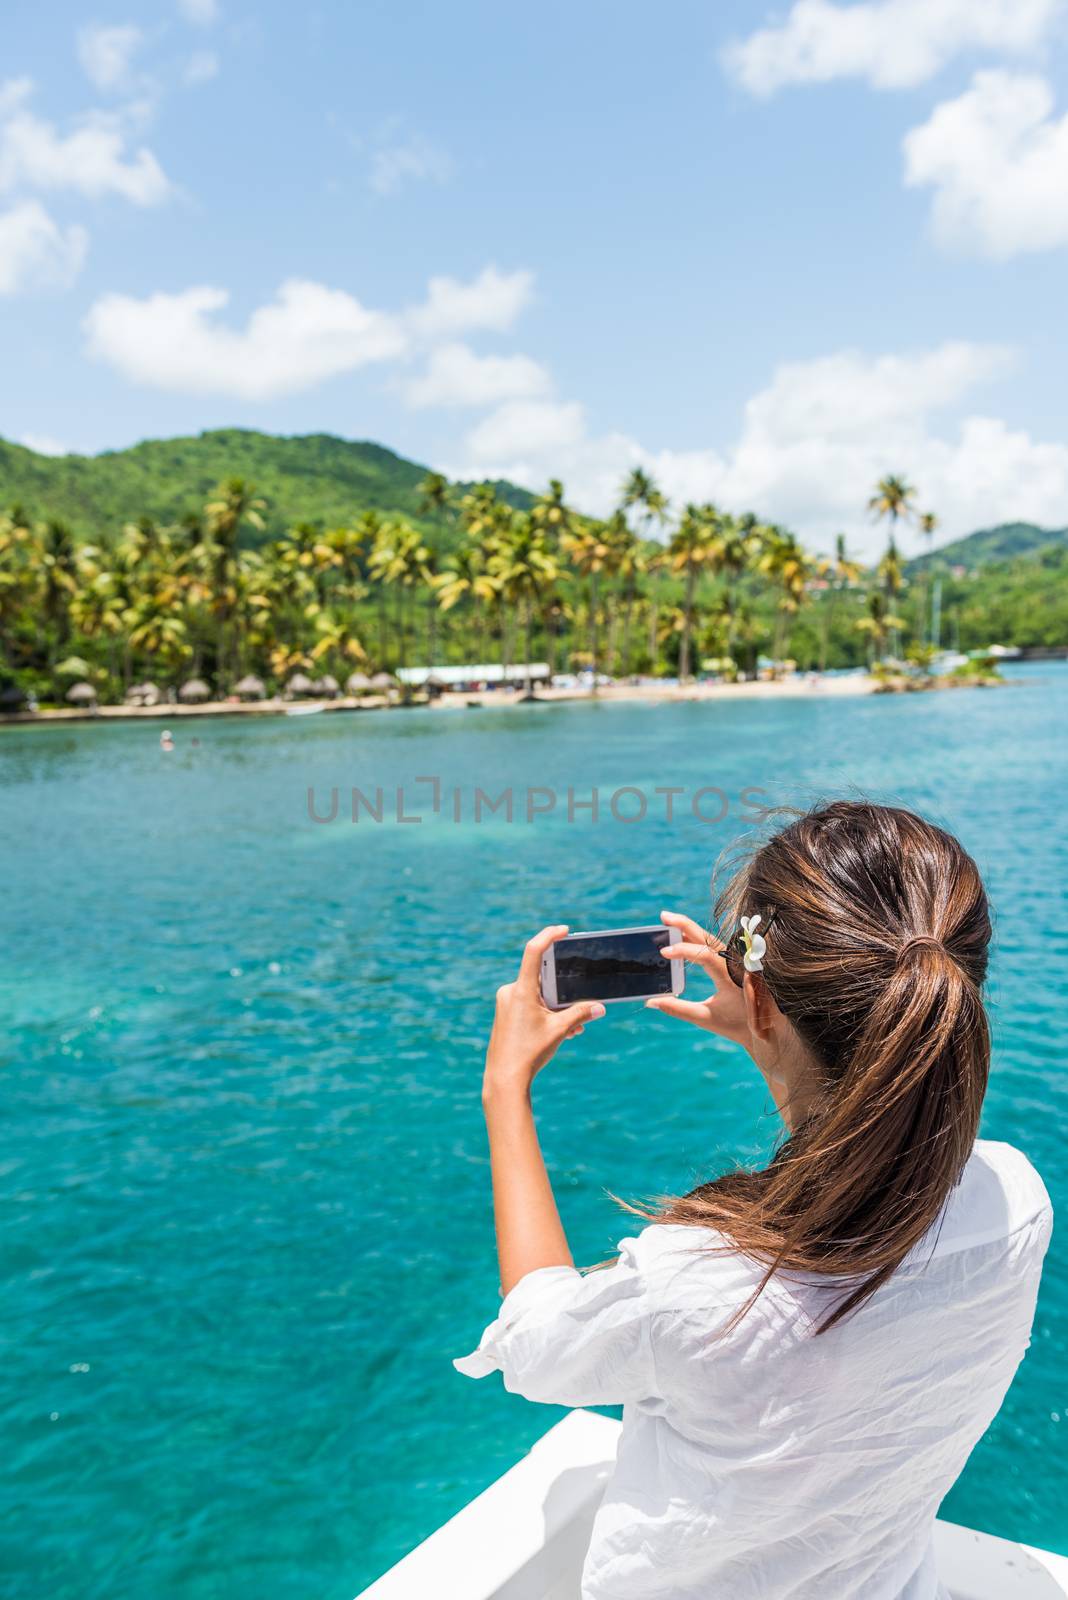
(877, 955)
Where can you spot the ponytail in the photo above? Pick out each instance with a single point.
(878, 960)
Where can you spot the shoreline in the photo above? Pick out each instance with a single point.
(650, 693)
(798, 687)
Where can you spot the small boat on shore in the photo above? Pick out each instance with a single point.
(304, 711)
(525, 1537)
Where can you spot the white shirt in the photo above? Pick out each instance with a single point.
(771, 1464)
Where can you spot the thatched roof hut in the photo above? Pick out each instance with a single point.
(250, 687)
(300, 684)
(357, 683)
(382, 680)
(193, 691)
(81, 694)
(328, 687)
(143, 694)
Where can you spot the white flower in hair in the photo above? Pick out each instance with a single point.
(755, 945)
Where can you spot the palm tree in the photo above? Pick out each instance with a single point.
(716, 634)
(892, 500)
(56, 555)
(785, 562)
(425, 571)
(640, 492)
(590, 551)
(738, 545)
(400, 557)
(655, 564)
(347, 544)
(748, 632)
(159, 633)
(18, 576)
(480, 511)
(878, 624)
(928, 524)
(891, 575)
(362, 539)
(336, 642)
(487, 523)
(433, 491)
(629, 563)
(671, 623)
(235, 505)
(558, 614)
(525, 567)
(689, 552)
(96, 610)
(843, 572)
(465, 578)
(549, 512)
(316, 552)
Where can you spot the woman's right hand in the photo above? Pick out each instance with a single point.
(724, 1010)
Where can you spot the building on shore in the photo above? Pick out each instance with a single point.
(483, 675)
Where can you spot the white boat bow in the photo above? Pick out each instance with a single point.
(525, 1537)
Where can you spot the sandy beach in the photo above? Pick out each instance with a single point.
(652, 693)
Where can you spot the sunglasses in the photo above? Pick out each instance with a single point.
(733, 951)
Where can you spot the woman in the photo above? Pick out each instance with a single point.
(808, 1353)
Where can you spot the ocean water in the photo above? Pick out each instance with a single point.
(244, 1180)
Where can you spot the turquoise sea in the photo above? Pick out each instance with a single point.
(246, 1211)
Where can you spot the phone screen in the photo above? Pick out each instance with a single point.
(610, 966)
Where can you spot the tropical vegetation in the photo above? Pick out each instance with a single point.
(477, 572)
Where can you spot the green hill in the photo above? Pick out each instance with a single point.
(313, 477)
(1003, 543)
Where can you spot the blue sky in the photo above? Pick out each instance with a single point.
(767, 253)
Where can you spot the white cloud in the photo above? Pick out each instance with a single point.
(201, 67)
(997, 160)
(14, 93)
(456, 376)
(307, 334)
(106, 54)
(535, 428)
(893, 44)
(92, 160)
(35, 252)
(201, 12)
(413, 159)
(812, 444)
(44, 444)
(493, 301)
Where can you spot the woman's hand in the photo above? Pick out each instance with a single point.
(724, 1011)
(526, 1034)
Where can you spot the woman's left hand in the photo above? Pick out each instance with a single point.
(526, 1034)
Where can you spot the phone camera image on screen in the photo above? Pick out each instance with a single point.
(612, 966)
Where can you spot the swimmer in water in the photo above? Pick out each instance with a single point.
(165, 741)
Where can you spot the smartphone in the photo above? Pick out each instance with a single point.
(611, 964)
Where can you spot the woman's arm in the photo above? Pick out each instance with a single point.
(529, 1231)
(526, 1034)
